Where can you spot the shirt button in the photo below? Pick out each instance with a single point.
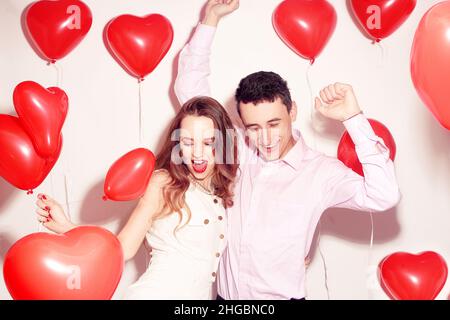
(206, 221)
(215, 200)
(220, 218)
(221, 236)
(217, 254)
(214, 274)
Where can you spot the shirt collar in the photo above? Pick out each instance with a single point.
(295, 156)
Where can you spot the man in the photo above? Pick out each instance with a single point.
(285, 186)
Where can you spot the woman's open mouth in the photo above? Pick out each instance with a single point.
(199, 166)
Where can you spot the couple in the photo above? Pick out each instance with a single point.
(248, 226)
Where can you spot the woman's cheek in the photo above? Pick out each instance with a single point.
(186, 154)
(210, 153)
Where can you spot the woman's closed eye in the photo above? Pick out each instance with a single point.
(187, 142)
(209, 142)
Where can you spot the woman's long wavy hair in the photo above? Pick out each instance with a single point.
(225, 155)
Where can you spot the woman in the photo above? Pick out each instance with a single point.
(182, 213)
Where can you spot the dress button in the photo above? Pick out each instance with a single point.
(213, 274)
(221, 236)
(220, 218)
(206, 221)
(217, 254)
(215, 201)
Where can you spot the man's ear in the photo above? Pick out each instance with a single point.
(293, 112)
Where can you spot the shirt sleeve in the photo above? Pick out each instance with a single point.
(378, 189)
(192, 79)
(193, 65)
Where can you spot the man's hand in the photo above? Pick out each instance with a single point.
(338, 102)
(217, 9)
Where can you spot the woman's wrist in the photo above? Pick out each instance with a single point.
(68, 226)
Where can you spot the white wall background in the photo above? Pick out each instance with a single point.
(102, 125)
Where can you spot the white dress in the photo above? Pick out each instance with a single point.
(184, 265)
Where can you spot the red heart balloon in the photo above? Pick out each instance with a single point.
(20, 164)
(406, 276)
(139, 44)
(128, 177)
(56, 27)
(84, 263)
(346, 149)
(305, 25)
(42, 113)
(430, 65)
(380, 18)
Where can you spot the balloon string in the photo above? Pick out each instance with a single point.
(383, 53)
(369, 256)
(58, 74)
(66, 191)
(322, 256)
(52, 189)
(58, 83)
(325, 268)
(140, 112)
(308, 81)
(61, 76)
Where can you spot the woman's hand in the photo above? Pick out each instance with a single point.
(217, 9)
(51, 215)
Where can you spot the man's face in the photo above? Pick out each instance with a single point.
(269, 127)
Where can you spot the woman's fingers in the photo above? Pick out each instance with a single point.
(46, 202)
(43, 213)
(42, 196)
(46, 198)
(43, 206)
(42, 219)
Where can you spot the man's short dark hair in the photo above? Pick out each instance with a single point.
(263, 86)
